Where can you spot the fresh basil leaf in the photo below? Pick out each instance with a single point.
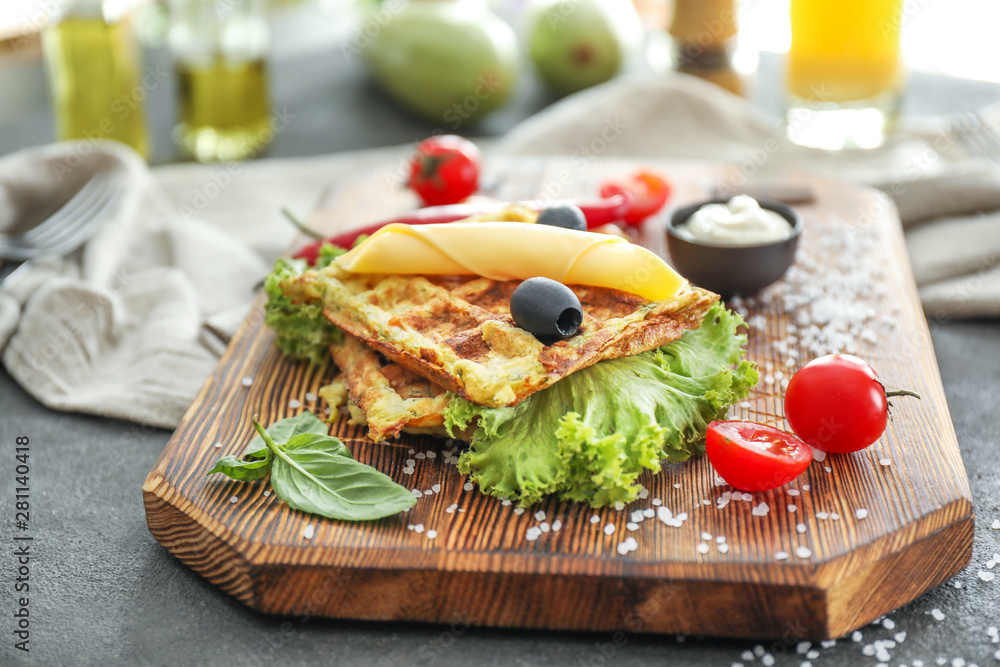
(314, 475)
(284, 430)
(326, 443)
(241, 470)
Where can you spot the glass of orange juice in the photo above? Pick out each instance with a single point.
(845, 77)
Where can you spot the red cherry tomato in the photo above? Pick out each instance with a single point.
(755, 457)
(444, 170)
(837, 404)
(647, 190)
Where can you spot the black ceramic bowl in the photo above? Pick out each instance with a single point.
(727, 269)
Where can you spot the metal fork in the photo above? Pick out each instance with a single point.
(977, 134)
(66, 229)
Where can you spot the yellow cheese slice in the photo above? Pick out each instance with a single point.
(515, 251)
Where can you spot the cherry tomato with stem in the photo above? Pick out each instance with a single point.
(647, 191)
(444, 170)
(755, 457)
(836, 403)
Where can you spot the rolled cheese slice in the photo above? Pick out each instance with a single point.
(515, 251)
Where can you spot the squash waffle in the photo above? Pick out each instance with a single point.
(392, 397)
(457, 331)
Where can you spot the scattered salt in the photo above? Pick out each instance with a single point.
(631, 525)
(937, 614)
(218, 445)
(419, 528)
(595, 519)
(986, 576)
(803, 552)
(760, 510)
(309, 531)
(885, 462)
(792, 508)
(861, 513)
(431, 534)
(310, 396)
(247, 381)
(539, 515)
(267, 493)
(609, 529)
(544, 527)
(233, 499)
(467, 486)
(294, 403)
(702, 548)
(800, 527)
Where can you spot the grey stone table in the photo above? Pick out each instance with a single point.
(102, 591)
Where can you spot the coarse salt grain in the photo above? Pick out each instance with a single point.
(247, 381)
(986, 576)
(233, 499)
(309, 531)
(595, 519)
(702, 548)
(294, 403)
(556, 525)
(631, 525)
(544, 527)
(267, 493)
(803, 552)
(792, 508)
(218, 445)
(419, 528)
(856, 636)
(518, 510)
(467, 486)
(310, 396)
(996, 524)
(793, 492)
(723, 548)
(648, 513)
(609, 529)
(937, 614)
(760, 510)
(706, 536)
(884, 462)
(539, 515)
(431, 534)
(861, 513)
(532, 534)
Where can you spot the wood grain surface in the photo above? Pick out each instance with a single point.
(853, 538)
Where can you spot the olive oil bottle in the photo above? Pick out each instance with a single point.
(222, 78)
(94, 72)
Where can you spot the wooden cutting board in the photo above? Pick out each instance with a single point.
(855, 537)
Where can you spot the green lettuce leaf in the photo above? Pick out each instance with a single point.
(589, 436)
(302, 332)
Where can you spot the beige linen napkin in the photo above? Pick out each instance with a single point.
(129, 325)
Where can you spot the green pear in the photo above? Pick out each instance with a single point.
(575, 44)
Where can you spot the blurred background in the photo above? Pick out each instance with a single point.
(211, 79)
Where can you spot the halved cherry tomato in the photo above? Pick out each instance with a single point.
(647, 190)
(837, 404)
(444, 170)
(755, 457)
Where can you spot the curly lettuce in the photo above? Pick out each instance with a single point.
(302, 332)
(589, 436)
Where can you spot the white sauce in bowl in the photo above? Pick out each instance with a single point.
(740, 221)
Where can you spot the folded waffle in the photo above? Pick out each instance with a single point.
(392, 397)
(457, 331)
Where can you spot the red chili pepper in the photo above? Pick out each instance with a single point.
(597, 211)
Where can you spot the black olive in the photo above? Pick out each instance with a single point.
(546, 308)
(567, 216)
